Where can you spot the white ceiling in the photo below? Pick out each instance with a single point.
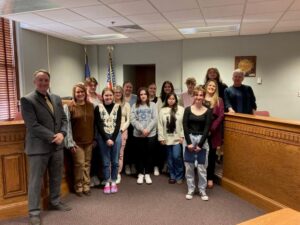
(160, 19)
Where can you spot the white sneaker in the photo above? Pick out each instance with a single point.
(189, 195)
(140, 179)
(133, 169)
(148, 179)
(96, 180)
(127, 170)
(204, 196)
(156, 171)
(92, 182)
(118, 181)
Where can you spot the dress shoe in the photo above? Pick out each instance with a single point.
(87, 193)
(59, 207)
(35, 220)
(172, 181)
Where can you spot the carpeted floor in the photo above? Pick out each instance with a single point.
(157, 204)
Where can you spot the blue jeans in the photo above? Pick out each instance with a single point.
(175, 162)
(110, 159)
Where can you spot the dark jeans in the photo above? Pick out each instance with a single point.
(38, 164)
(159, 154)
(130, 152)
(96, 161)
(211, 161)
(145, 146)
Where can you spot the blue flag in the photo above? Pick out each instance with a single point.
(87, 72)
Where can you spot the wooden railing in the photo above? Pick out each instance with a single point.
(262, 160)
(13, 172)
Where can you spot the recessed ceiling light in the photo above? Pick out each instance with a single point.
(210, 29)
(103, 37)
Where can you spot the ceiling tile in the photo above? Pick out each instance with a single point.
(260, 28)
(199, 35)
(133, 8)
(295, 6)
(258, 18)
(138, 34)
(291, 15)
(95, 12)
(166, 33)
(64, 29)
(221, 21)
(114, 21)
(211, 3)
(60, 15)
(117, 1)
(173, 5)
(148, 19)
(158, 26)
(267, 6)
(90, 27)
(190, 23)
(224, 11)
(170, 38)
(184, 15)
(29, 18)
(74, 3)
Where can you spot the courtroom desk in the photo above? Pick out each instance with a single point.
(262, 160)
(285, 216)
(13, 172)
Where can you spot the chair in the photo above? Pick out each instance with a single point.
(262, 113)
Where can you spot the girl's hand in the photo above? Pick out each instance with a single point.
(109, 143)
(163, 142)
(181, 140)
(74, 149)
(190, 147)
(146, 133)
(197, 149)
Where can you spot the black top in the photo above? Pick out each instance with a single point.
(100, 123)
(154, 100)
(194, 124)
(221, 89)
(241, 99)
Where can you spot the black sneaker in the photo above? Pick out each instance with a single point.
(60, 207)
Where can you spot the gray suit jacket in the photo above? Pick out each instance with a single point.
(41, 124)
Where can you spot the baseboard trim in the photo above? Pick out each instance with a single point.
(251, 196)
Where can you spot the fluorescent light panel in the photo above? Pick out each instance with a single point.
(103, 37)
(211, 29)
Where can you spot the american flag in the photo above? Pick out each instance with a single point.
(111, 79)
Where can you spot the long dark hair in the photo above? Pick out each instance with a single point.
(171, 124)
(218, 78)
(138, 100)
(162, 93)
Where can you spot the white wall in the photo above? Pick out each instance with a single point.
(63, 59)
(278, 64)
(165, 55)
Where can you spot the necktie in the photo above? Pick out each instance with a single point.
(49, 104)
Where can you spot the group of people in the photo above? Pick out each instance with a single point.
(140, 131)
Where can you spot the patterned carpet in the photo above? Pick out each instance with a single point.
(157, 204)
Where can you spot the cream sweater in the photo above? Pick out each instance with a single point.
(163, 135)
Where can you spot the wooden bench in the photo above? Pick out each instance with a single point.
(285, 216)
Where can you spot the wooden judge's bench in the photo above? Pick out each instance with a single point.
(261, 164)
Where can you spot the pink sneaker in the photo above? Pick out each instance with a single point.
(106, 190)
(114, 188)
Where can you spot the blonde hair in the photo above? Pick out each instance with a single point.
(215, 97)
(119, 88)
(197, 90)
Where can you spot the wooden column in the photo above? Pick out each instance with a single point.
(262, 160)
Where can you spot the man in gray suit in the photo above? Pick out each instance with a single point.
(46, 126)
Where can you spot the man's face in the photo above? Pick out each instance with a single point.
(237, 79)
(42, 82)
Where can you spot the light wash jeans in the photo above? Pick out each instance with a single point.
(201, 168)
(175, 162)
(110, 159)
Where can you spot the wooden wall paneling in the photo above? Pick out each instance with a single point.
(262, 160)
